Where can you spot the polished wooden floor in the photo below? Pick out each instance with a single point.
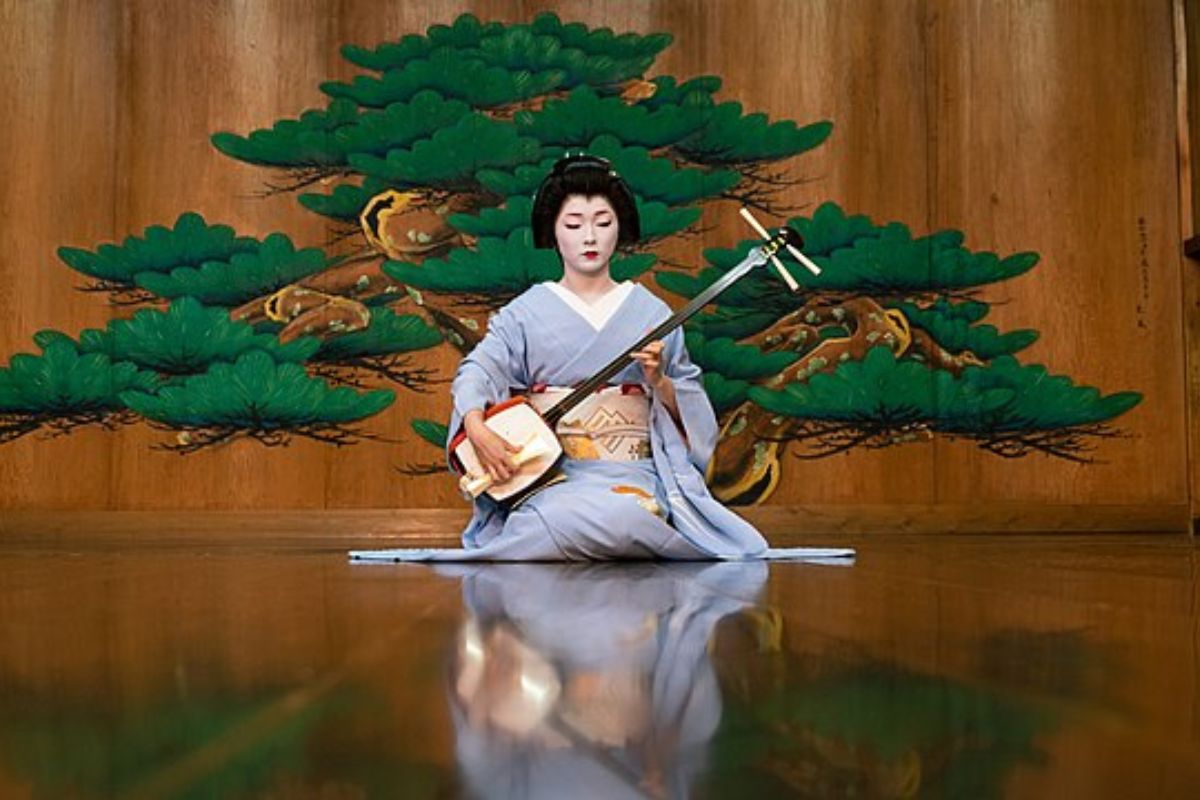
(934, 666)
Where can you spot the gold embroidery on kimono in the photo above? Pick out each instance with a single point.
(643, 498)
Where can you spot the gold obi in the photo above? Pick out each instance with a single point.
(611, 425)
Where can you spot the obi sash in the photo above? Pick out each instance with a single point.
(613, 424)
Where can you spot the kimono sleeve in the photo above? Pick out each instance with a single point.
(695, 410)
(486, 375)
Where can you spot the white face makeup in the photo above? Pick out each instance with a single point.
(586, 231)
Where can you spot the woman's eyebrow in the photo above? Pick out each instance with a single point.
(601, 212)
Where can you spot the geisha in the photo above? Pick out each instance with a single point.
(631, 484)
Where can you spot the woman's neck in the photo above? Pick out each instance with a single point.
(588, 287)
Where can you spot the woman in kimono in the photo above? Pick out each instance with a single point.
(636, 451)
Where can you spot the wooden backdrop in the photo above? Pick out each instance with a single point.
(1044, 125)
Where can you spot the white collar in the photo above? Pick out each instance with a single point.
(601, 311)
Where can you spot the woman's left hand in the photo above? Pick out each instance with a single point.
(651, 360)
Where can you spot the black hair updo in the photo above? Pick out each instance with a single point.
(590, 176)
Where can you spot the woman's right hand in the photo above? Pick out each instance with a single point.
(492, 450)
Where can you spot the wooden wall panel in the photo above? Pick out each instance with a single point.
(1011, 121)
(192, 70)
(1187, 112)
(1048, 142)
(58, 157)
(822, 61)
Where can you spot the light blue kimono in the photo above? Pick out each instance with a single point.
(539, 338)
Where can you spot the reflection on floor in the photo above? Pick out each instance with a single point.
(934, 666)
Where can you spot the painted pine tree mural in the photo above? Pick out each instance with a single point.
(426, 165)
